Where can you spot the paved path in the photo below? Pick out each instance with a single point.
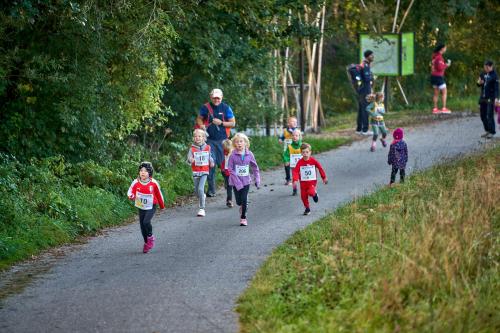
(190, 281)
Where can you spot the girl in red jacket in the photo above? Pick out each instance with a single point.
(227, 145)
(437, 78)
(146, 193)
(305, 171)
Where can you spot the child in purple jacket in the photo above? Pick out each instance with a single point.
(239, 164)
(398, 155)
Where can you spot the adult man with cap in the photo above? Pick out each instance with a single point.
(365, 88)
(216, 118)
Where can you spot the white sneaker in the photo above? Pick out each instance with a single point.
(367, 133)
(201, 212)
(359, 133)
(485, 134)
(490, 136)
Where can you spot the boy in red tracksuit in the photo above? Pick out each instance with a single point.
(305, 171)
(145, 192)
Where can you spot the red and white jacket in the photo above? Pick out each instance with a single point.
(200, 170)
(150, 187)
(312, 163)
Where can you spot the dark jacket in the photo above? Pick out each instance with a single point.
(489, 89)
(366, 79)
(398, 155)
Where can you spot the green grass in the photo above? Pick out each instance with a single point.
(420, 257)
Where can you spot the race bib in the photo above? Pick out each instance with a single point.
(294, 158)
(201, 158)
(242, 170)
(308, 172)
(144, 201)
(286, 143)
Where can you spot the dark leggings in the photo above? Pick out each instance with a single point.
(241, 197)
(229, 188)
(287, 173)
(401, 174)
(145, 217)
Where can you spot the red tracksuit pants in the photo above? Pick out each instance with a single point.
(307, 189)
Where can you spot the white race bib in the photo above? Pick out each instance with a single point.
(308, 172)
(201, 158)
(144, 201)
(294, 158)
(243, 170)
(286, 143)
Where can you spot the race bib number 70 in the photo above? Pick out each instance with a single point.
(308, 172)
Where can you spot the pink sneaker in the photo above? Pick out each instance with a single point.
(151, 242)
(384, 143)
(435, 111)
(145, 248)
(243, 222)
(445, 110)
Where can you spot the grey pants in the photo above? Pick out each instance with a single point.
(199, 189)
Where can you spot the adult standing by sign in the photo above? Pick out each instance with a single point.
(365, 84)
(488, 81)
(437, 78)
(217, 119)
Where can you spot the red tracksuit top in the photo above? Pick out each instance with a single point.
(310, 161)
(151, 187)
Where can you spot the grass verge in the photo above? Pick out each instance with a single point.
(421, 257)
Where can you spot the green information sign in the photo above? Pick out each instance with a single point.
(394, 53)
(407, 53)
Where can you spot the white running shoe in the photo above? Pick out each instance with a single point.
(201, 212)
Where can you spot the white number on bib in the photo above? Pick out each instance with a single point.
(294, 158)
(201, 158)
(308, 172)
(242, 170)
(287, 142)
(144, 201)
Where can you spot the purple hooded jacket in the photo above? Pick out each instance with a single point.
(247, 158)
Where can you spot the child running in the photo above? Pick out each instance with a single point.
(200, 158)
(398, 156)
(376, 110)
(239, 164)
(286, 139)
(292, 154)
(227, 145)
(305, 171)
(146, 193)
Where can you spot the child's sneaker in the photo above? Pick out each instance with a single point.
(485, 134)
(436, 111)
(288, 182)
(384, 143)
(229, 204)
(201, 212)
(372, 148)
(243, 222)
(445, 110)
(316, 198)
(151, 242)
(307, 211)
(294, 191)
(145, 248)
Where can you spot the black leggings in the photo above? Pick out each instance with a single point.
(287, 173)
(229, 188)
(241, 197)
(145, 217)
(401, 174)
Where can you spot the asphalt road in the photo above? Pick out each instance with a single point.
(191, 280)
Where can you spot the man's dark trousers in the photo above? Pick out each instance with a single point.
(362, 124)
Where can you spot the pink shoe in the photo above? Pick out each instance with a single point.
(445, 110)
(384, 143)
(435, 111)
(372, 148)
(145, 248)
(151, 242)
(243, 222)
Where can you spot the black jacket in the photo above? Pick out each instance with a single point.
(489, 89)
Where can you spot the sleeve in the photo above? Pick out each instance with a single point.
(370, 108)
(296, 170)
(481, 76)
(131, 190)
(211, 156)
(203, 111)
(190, 157)
(320, 168)
(229, 113)
(234, 180)
(496, 87)
(159, 195)
(255, 170)
(286, 155)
